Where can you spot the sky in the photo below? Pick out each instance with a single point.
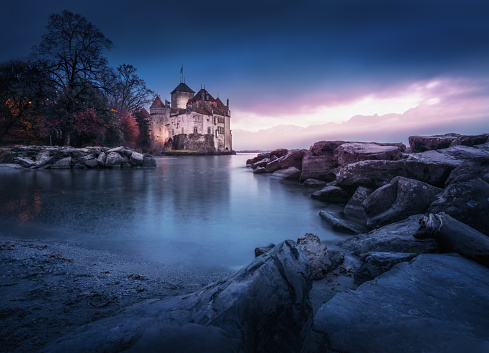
(296, 72)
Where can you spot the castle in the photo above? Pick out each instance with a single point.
(191, 122)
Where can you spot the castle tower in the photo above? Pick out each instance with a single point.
(180, 96)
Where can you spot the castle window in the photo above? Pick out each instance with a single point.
(182, 131)
(195, 129)
(172, 132)
(209, 130)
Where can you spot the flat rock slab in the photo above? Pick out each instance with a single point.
(341, 224)
(436, 303)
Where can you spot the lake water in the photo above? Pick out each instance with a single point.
(192, 211)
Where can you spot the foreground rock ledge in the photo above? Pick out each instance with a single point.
(264, 307)
(55, 157)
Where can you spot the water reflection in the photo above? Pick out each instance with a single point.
(196, 211)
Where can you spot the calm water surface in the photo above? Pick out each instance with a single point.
(192, 211)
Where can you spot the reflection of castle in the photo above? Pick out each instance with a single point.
(191, 117)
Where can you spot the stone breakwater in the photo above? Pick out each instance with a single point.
(55, 157)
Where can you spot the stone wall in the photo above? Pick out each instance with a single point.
(195, 142)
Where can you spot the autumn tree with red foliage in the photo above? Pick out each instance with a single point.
(130, 130)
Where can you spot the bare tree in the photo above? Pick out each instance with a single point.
(71, 52)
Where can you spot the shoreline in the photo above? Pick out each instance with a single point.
(48, 288)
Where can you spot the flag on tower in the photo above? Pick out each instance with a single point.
(181, 69)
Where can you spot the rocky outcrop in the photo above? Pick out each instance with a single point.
(396, 237)
(354, 208)
(469, 171)
(434, 142)
(291, 173)
(470, 140)
(292, 159)
(55, 157)
(264, 307)
(321, 259)
(377, 263)
(398, 200)
(466, 201)
(348, 153)
(454, 236)
(421, 306)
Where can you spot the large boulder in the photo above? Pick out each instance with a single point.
(470, 140)
(398, 200)
(466, 201)
(290, 173)
(469, 171)
(26, 162)
(332, 194)
(354, 208)
(136, 158)
(342, 225)
(264, 307)
(377, 263)
(292, 159)
(322, 148)
(355, 151)
(273, 165)
(63, 163)
(114, 159)
(454, 236)
(321, 259)
(395, 237)
(434, 142)
(279, 152)
(318, 167)
(435, 303)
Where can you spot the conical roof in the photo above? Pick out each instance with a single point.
(203, 95)
(144, 113)
(158, 103)
(182, 87)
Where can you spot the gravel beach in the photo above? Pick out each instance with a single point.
(49, 288)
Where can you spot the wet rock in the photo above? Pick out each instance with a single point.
(397, 200)
(318, 167)
(333, 194)
(43, 158)
(63, 163)
(114, 159)
(325, 148)
(354, 152)
(454, 236)
(260, 170)
(101, 159)
(292, 159)
(313, 183)
(421, 306)
(261, 163)
(434, 142)
(342, 225)
(291, 173)
(377, 263)
(26, 162)
(273, 166)
(354, 208)
(262, 308)
(395, 237)
(466, 201)
(321, 259)
(258, 158)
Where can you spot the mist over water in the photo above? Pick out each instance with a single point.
(188, 211)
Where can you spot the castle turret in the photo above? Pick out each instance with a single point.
(180, 96)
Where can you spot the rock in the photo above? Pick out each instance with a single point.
(395, 237)
(273, 166)
(454, 236)
(149, 161)
(318, 167)
(470, 140)
(465, 153)
(397, 200)
(92, 163)
(469, 171)
(292, 159)
(432, 172)
(25, 162)
(101, 159)
(43, 158)
(377, 263)
(322, 148)
(354, 208)
(332, 194)
(321, 259)
(279, 152)
(353, 152)
(466, 201)
(291, 173)
(313, 183)
(63, 163)
(258, 158)
(260, 170)
(421, 306)
(114, 159)
(263, 249)
(264, 307)
(434, 142)
(341, 224)
(261, 164)
(136, 158)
